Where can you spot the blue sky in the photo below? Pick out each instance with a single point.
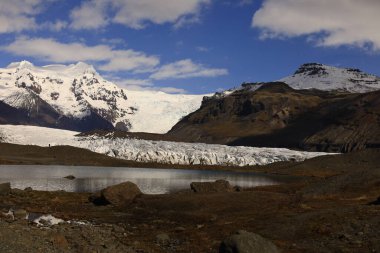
(191, 46)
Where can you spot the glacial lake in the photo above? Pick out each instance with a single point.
(92, 179)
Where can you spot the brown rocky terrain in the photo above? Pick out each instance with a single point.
(332, 207)
(56, 155)
(276, 115)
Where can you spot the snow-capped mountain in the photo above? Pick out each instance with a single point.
(320, 77)
(76, 93)
(323, 77)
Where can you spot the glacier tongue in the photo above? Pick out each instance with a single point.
(154, 151)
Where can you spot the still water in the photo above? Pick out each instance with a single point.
(91, 179)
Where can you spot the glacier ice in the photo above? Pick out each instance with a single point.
(154, 151)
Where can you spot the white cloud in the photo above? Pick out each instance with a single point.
(171, 90)
(107, 58)
(130, 60)
(177, 70)
(111, 60)
(333, 23)
(114, 41)
(187, 21)
(136, 14)
(18, 15)
(202, 49)
(144, 85)
(90, 15)
(186, 69)
(245, 2)
(56, 26)
(132, 82)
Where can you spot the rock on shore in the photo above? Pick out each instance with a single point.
(117, 195)
(207, 187)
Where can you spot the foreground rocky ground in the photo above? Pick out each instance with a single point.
(331, 208)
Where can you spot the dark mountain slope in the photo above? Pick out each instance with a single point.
(42, 114)
(276, 115)
(10, 115)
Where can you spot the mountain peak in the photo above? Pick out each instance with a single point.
(311, 69)
(78, 68)
(321, 69)
(82, 67)
(325, 77)
(21, 65)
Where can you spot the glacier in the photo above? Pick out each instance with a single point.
(171, 153)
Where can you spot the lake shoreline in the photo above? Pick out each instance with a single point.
(333, 209)
(150, 180)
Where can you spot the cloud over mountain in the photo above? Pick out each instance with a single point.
(108, 58)
(186, 69)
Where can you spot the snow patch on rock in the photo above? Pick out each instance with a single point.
(46, 220)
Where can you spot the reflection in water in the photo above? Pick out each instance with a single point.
(91, 179)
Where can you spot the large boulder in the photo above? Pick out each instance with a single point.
(121, 194)
(5, 189)
(207, 187)
(246, 242)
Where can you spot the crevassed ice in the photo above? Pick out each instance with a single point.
(154, 151)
